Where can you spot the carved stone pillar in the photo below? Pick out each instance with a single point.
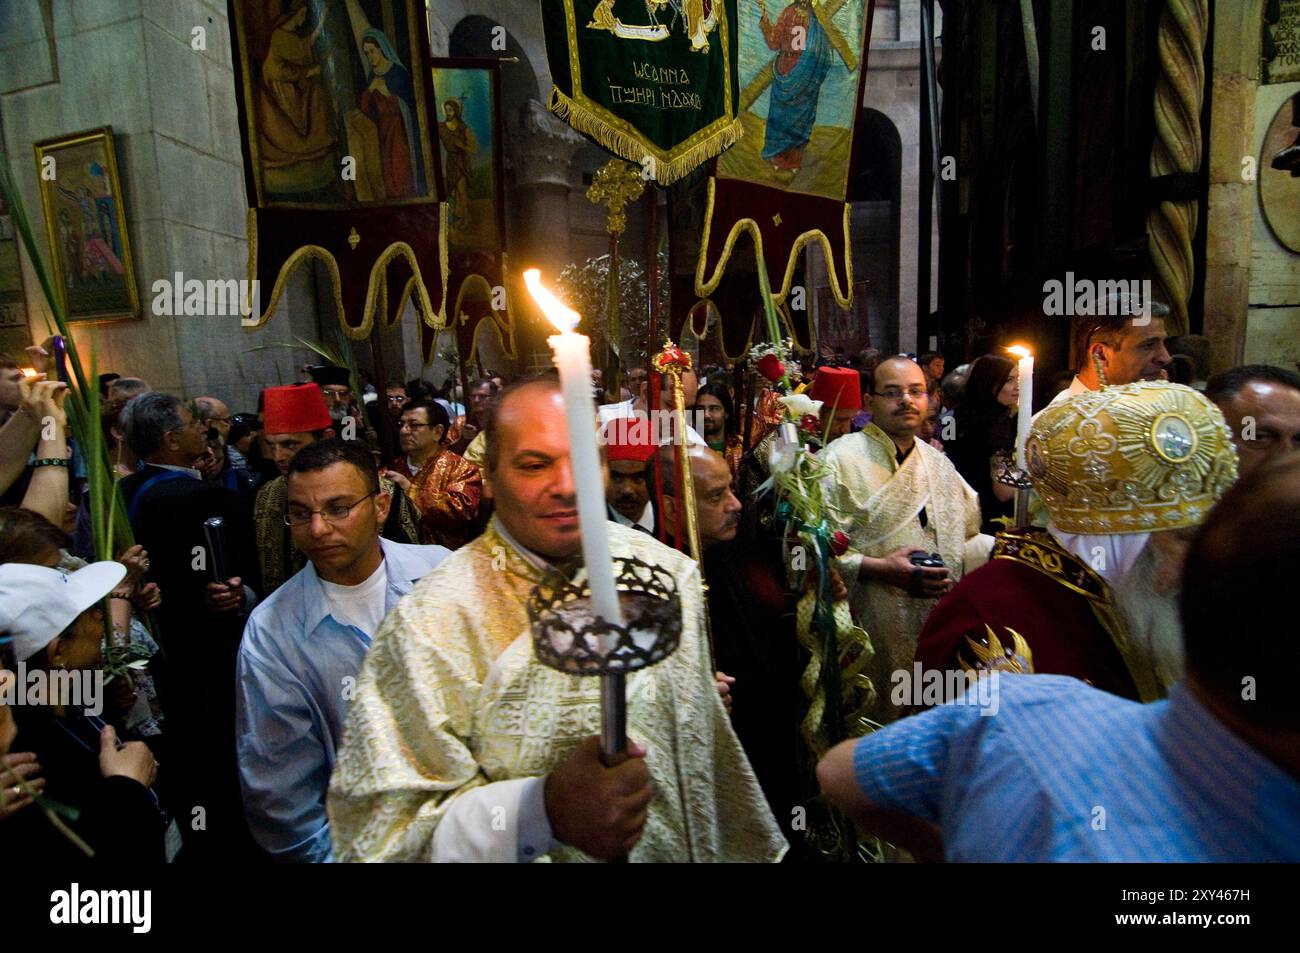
(542, 150)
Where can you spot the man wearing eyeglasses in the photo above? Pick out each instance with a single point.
(444, 486)
(295, 417)
(462, 746)
(303, 647)
(896, 498)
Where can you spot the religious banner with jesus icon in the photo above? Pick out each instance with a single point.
(801, 67)
(339, 156)
(652, 81)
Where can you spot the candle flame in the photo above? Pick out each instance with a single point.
(564, 318)
(28, 372)
(1020, 351)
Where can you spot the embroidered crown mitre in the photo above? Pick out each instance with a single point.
(1136, 458)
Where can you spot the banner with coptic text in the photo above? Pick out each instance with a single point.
(652, 81)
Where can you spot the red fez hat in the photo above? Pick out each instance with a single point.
(629, 438)
(295, 408)
(838, 387)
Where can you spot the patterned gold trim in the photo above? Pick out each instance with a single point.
(1037, 549)
(1104, 474)
(783, 313)
(1017, 659)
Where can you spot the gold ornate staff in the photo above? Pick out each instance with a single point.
(673, 361)
(615, 185)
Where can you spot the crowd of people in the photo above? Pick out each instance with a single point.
(317, 645)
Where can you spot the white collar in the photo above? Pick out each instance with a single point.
(646, 520)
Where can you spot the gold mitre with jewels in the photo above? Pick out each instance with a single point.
(1136, 458)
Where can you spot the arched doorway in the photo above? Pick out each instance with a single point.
(875, 195)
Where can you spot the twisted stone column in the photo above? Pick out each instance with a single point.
(1180, 91)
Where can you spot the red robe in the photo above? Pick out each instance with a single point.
(446, 492)
(386, 111)
(1035, 588)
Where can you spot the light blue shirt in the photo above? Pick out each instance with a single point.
(296, 673)
(1064, 772)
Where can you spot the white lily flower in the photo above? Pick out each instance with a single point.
(801, 405)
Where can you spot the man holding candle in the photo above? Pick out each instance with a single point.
(896, 497)
(462, 745)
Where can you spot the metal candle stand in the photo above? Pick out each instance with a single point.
(570, 638)
(1008, 474)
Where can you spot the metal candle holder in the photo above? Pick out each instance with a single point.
(1009, 474)
(570, 638)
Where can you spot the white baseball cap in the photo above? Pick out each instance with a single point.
(37, 603)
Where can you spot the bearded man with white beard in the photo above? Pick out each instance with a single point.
(1127, 474)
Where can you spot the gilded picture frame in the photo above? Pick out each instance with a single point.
(85, 218)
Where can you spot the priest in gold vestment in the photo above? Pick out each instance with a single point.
(462, 746)
(894, 495)
(444, 487)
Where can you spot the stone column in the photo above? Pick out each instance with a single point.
(541, 151)
(1232, 196)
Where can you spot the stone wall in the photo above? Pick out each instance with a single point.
(70, 65)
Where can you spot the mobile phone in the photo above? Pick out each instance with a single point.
(61, 358)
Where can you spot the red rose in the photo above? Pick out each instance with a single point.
(810, 423)
(770, 366)
(839, 544)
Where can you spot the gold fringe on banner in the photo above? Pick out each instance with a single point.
(623, 140)
(782, 312)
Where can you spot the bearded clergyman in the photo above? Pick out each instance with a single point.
(1127, 475)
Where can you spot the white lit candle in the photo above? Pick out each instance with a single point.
(572, 353)
(1025, 411)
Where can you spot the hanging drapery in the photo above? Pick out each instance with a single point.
(339, 157)
(786, 182)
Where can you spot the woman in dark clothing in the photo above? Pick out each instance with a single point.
(986, 424)
(105, 785)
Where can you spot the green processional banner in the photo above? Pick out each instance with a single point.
(653, 81)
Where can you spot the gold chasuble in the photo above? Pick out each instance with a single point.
(452, 698)
(877, 503)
